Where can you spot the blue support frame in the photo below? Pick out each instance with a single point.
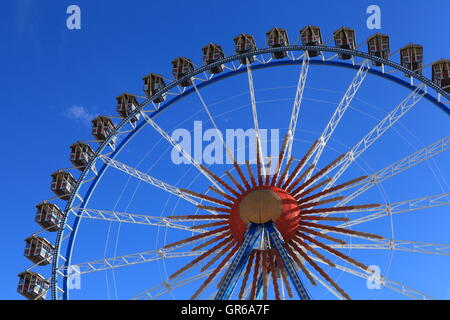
(232, 274)
(258, 288)
(240, 260)
(277, 243)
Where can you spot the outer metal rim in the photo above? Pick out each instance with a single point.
(223, 76)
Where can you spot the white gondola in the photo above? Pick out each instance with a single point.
(126, 104)
(411, 57)
(32, 285)
(180, 67)
(211, 53)
(244, 43)
(49, 216)
(38, 250)
(378, 45)
(345, 38)
(152, 84)
(441, 74)
(311, 36)
(102, 127)
(63, 183)
(80, 155)
(277, 37)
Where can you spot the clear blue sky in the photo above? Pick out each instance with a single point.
(54, 80)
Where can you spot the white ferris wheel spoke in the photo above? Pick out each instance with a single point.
(149, 179)
(399, 111)
(133, 218)
(397, 167)
(211, 118)
(297, 103)
(396, 245)
(128, 260)
(402, 207)
(185, 154)
(340, 110)
(168, 286)
(255, 115)
(382, 280)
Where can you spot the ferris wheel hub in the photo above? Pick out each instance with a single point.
(262, 204)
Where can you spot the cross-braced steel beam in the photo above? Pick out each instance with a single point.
(410, 101)
(340, 110)
(277, 244)
(234, 270)
(397, 245)
(404, 164)
(177, 147)
(147, 178)
(402, 207)
(132, 218)
(128, 260)
(297, 103)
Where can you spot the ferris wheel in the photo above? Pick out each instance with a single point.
(270, 226)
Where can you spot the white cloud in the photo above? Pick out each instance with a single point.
(80, 113)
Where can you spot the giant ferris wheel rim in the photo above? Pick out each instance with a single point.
(285, 62)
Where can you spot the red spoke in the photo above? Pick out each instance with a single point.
(216, 257)
(201, 257)
(324, 275)
(335, 252)
(241, 174)
(299, 179)
(342, 230)
(301, 164)
(298, 195)
(197, 237)
(201, 217)
(280, 160)
(341, 209)
(216, 209)
(274, 275)
(300, 264)
(331, 190)
(236, 183)
(255, 274)
(223, 194)
(285, 172)
(283, 275)
(208, 225)
(211, 241)
(321, 235)
(215, 272)
(247, 274)
(207, 198)
(223, 183)
(296, 241)
(319, 203)
(250, 172)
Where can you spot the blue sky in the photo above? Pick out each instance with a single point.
(55, 80)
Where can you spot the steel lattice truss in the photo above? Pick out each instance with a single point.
(399, 166)
(406, 105)
(132, 218)
(127, 260)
